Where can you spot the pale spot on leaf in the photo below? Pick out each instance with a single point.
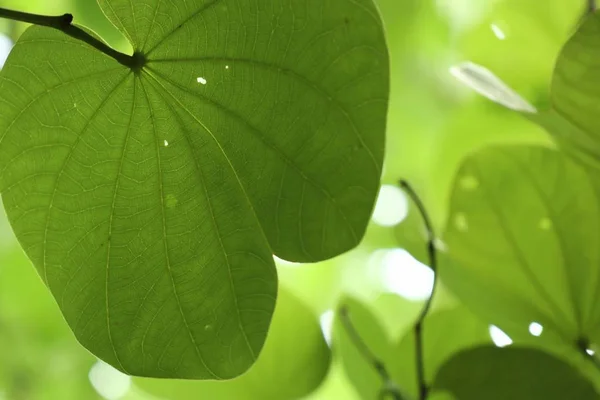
(201, 80)
(171, 201)
(469, 182)
(545, 224)
(536, 329)
(461, 223)
(440, 245)
(498, 32)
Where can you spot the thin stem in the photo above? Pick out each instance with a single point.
(389, 386)
(64, 23)
(418, 329)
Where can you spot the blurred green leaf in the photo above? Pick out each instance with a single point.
(293, 363)
(517, 39)
(152, 201)
(40, 358)
(520, 238)
(444, 333)
(360, 370)
(493, 373)
(395, 314)
(573, 118)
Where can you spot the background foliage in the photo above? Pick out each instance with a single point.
(435, 124)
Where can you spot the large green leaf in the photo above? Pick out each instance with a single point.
(493, 373)
(293, 363)
(575, 89)
(151, 202)
(522, 242)
(444, 333)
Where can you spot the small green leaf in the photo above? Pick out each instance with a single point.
(396, 314)
(360, 370)
(493, 373)
(521, 242)
(151, 201)
(294, 362)
(444, 333)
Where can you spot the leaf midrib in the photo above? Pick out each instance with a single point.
(201, 175)
(519, 256)
(165, 240)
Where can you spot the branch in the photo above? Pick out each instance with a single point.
(418, 329)
(64, 23)
(389, 387)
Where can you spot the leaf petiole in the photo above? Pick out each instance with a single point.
(418, 328)
(64, 23)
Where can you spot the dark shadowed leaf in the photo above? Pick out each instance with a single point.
(444, 333)
(493, 373)
(573, 118)
(151, 202)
